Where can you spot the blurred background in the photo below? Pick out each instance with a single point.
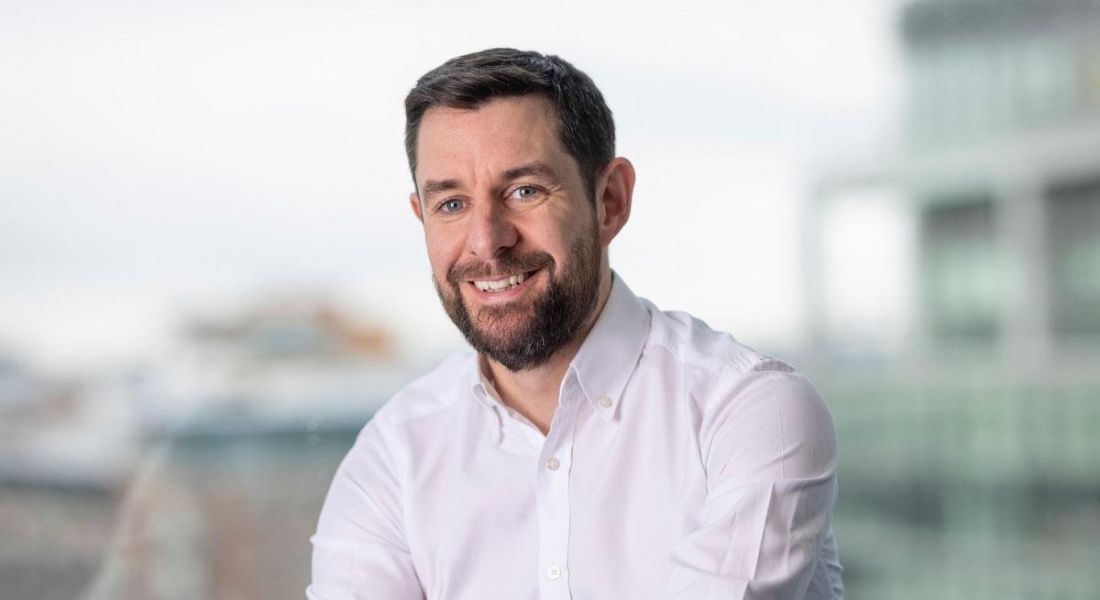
(211, 279)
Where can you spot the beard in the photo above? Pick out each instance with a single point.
(525, 333)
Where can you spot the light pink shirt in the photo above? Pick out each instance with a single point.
(679, 464)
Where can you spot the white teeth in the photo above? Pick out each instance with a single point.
(500, 284)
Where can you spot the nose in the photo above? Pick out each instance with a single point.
(491, 231)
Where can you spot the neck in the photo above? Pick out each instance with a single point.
(534, 392)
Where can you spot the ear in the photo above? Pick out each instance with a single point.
(615, 197)
(414, 202)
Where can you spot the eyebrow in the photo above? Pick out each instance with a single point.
(434, 187)
(535, 169)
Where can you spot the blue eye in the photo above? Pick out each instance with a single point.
(452, 205)
(525, 192)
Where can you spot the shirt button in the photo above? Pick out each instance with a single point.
(605, 402)
(553, 465)
(553, 572)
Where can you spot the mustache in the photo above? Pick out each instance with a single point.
(506, 264)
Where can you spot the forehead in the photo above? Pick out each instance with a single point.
(496, 136)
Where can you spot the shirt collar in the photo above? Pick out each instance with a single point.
(609, 354)
(605, 360)
(480, 383)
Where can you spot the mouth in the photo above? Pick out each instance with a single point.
(503, 288)
(504, 283)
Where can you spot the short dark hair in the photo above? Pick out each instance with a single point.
(585, 125)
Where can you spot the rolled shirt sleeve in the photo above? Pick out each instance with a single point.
(769, 450)
(360, 549)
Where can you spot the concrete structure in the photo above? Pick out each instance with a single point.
(964, 269)
(999, 174)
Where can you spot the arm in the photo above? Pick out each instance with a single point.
(359, 550)
(769, 450)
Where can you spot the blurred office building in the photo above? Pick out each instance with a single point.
(955, 308)
(198, 474)
(282, 360)
(992, 198)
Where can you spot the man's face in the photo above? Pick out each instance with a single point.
(511, 233)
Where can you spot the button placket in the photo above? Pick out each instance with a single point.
(553, 503)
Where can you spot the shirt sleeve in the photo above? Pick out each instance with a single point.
(769, 451)
(360, 549)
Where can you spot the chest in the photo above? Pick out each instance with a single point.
(589, 511)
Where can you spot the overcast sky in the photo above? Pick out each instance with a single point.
(162, 156)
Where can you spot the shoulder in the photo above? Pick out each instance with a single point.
(384, 439)
(690, 341)
(380, 451)
(746, 402)
(435, 391)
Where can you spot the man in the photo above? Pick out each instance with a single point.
(593, 447)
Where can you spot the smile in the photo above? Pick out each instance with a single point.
(504, 283)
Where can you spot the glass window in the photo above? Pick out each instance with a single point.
(1074, 211)
(963, 280)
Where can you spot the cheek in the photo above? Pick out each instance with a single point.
(560, 240)
(443, 253)
(440, 265)
(550, 234)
